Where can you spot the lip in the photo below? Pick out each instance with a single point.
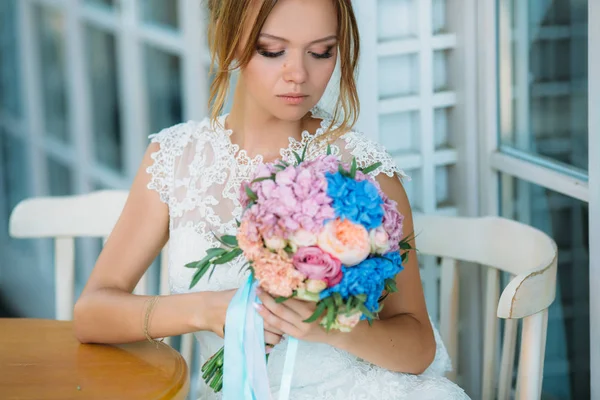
(292, 98)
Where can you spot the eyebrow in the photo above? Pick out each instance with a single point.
(325, 39)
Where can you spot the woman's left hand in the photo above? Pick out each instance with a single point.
(289, 317)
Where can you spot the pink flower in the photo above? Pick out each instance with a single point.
(318, 265)
(393, 223)
(380, 240)
(345, 322)
(246, 237)
(346, 241)
(276, 274)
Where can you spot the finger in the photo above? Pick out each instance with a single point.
(279, 323)
(279, 309)
(272, 329)
(303, 308)
(272, 339)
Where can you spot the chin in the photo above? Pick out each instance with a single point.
(291, 113)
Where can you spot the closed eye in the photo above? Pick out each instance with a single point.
(327, 54)
(270, 54)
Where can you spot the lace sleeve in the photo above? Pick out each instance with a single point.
(368, 152)
(171, 143)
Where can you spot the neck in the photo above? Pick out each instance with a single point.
(256, 130)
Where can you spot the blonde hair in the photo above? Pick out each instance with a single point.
(227, 21)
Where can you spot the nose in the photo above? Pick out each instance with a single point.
(294, 70)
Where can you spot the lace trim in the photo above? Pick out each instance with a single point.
(171, 142)
(368, 152)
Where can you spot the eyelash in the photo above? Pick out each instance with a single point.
(318, 56)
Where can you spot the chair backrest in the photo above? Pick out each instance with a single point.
(66, 218)
(500, 245)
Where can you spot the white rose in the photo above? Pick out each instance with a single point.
(315, 285)
(380, 241)
(303, 238)
(275, 243)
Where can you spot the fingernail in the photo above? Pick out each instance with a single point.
(269, 350)
(259, 290)
(257, 306)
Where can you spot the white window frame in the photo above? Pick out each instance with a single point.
(494, 159)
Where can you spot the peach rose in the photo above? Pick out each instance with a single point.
(346, 241)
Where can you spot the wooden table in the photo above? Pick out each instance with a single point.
(42, 360)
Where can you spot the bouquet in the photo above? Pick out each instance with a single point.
(320, 230)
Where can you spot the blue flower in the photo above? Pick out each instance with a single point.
(359, 202)
(367, 278)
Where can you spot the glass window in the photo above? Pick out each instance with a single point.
(103, 3)
(10, 94)
(543, 78)
(104, 92)
(50, 26)
(161, 12)
(59, 178)
(567, 362)
(163, 79)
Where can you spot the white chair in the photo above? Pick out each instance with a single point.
(497, 243)
(500, 245)
(66, 218)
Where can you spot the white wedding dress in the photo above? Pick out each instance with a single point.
(198, 172)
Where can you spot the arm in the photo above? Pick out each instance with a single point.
(402, 340)
(107, 311)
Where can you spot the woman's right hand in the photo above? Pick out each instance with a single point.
(221, 302)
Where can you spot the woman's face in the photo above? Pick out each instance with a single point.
(295, 57)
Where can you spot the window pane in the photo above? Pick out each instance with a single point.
(161, 12)
(50, 26)
(59, 178)
(543, 78)
(567, 363)
(163, 78)
(102, 73)
(10, 95)
(103, 3)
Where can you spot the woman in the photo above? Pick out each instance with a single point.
(286, 52)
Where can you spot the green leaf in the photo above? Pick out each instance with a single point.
(328, 149)
(281, 299)
(319, 310)
(264, 178)
(210, 254)
(197, 277)
(238, 223)
(225, 258)
(212, 271)
(353, 168)
(298, 158)
(337, 298)
(404, 257)
(342, 171)
(366, 311)
(330, 314)
(361, 297)
(391, 284)
(405, 245)
(304, 151)
(371, 168)
(251, 195)
(229, 240)
(370, 321)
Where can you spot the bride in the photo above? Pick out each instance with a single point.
(187, 186)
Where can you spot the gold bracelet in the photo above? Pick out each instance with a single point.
(152, 303)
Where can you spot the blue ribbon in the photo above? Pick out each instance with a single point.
(245, 367)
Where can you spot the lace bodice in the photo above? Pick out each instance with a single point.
(198, 172)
